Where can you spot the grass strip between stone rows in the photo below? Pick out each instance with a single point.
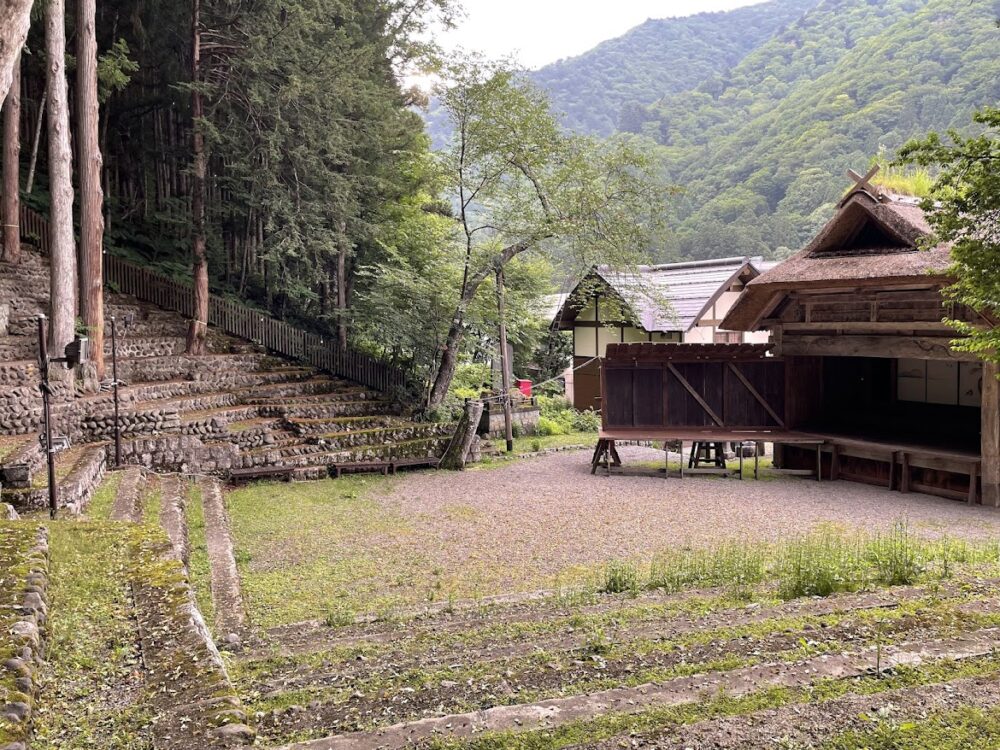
(876, 624)
(657, 721)
(199, 567)
(966, 728)
(99, 508)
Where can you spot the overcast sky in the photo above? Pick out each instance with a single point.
(542, 31)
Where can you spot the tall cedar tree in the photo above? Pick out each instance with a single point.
(15, 18)
(62, 295)
(199, 318)
(522, 185)
(89, 165)
(11, 169)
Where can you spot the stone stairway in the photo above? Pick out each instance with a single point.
(238, 407)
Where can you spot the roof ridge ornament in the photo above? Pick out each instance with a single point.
(863, 184)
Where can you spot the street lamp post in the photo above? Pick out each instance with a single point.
(46, 389)
(114, 376)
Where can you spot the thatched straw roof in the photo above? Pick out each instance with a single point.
(668, 297)
(871, 239)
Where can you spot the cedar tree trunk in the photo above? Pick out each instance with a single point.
(11, 169)
(15, 17)
(199, 316)
(91, 192)
(62, 300)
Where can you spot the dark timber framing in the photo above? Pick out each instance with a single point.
(858, 317)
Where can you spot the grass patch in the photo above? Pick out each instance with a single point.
(822, 563)
(99, 508)
(199, 567)
(151, 501)
(92, 694)
(307, 548)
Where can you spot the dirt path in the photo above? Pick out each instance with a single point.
(229, 614)
(735, 683)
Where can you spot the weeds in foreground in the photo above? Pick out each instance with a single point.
(818, 564)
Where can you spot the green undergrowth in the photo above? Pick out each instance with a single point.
(535, 444)
(92, 692)
(103, 498)
(663, 721)
(151, 501)
(966, 728)
(199, 567)
(817, 564)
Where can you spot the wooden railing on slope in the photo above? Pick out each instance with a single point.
(237, 319)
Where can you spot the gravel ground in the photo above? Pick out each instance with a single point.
(538, 517)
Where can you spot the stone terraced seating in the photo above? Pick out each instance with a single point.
(236, 408)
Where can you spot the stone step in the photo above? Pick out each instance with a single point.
(329, 410)
(320, 426)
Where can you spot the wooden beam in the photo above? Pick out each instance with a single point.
(901, 327)
(753, 392)
(990, 448)
(694, 394)
(916, 347)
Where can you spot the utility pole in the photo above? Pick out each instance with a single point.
(508, 420)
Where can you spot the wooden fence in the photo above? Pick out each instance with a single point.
(238, 320)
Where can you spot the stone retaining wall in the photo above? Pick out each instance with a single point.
(28, 636)
(179, 453)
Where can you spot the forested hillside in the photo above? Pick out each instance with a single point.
(606, 88)
(762, 153)
(760, 144)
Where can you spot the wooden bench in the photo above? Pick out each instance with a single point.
(432, 463)
(262, 472)
(383, 467)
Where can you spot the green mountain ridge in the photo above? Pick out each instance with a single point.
(757, 113)
(594, 92)
(763, 159)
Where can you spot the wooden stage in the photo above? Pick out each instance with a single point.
(831, 449)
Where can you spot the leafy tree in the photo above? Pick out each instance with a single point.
(520, 185)
(964, 209)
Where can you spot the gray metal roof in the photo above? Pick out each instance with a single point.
(674, 296)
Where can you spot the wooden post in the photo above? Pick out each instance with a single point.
(990, 447)
(508, 419)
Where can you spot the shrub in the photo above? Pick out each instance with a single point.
(586, 421)
(549, 427)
